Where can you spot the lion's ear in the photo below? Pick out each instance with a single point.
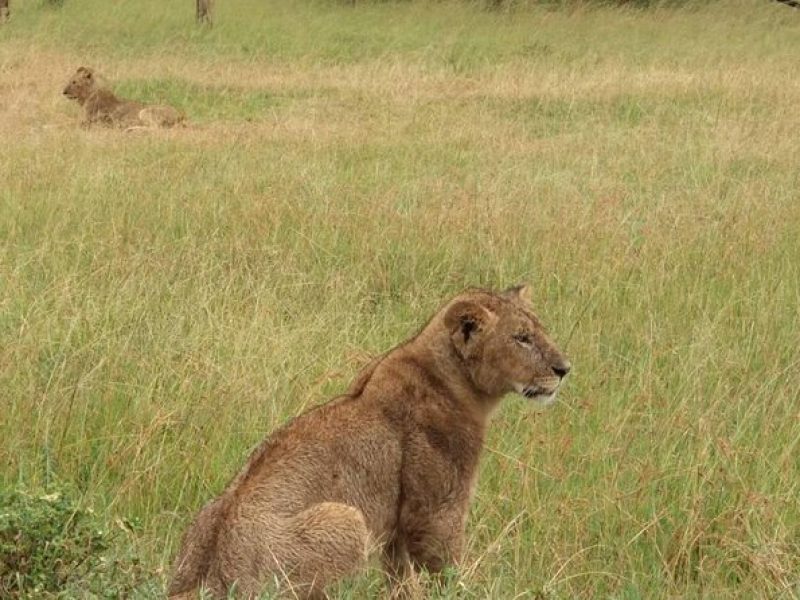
(520, 292)
(86, 72)
(465, 321)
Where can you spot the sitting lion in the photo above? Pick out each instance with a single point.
(103, 107)
(391, 464)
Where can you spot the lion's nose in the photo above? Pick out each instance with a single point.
(562, 369)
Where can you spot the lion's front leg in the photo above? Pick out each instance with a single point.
(436, 549)
(428, 540)
(402, 577)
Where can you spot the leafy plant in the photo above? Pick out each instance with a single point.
(52, 547)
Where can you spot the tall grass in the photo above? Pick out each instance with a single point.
(167, 298)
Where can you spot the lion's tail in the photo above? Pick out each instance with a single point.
(198, 548)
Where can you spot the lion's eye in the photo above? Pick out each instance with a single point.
(524, 339)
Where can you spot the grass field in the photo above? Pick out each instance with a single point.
(168, 297)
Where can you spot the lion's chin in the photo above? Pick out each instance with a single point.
(544, 400)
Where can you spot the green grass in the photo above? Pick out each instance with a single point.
(167, 298)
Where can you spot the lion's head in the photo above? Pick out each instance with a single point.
(81, 84)
(503, 345)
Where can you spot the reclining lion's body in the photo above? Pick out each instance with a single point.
(101, 106)
(393, 462)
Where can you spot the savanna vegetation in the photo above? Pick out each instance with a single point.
(168, 297)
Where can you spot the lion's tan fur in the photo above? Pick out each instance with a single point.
(102, 106)
(392, 463)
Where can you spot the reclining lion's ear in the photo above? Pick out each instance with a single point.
(466, 320)
(520, 292)
(86, 72)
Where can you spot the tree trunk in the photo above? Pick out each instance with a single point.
(5, 12)
(203, 11)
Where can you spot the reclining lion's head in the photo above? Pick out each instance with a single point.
(81, 84)
(503, 345)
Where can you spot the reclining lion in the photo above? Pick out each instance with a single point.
(392, 463)
(103, 107)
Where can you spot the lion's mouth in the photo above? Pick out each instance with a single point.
(541, 395)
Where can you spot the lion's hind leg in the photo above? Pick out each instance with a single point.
(160, 116)
(303, 553)
(330, 540)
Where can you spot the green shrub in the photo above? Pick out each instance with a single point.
(50, 547)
